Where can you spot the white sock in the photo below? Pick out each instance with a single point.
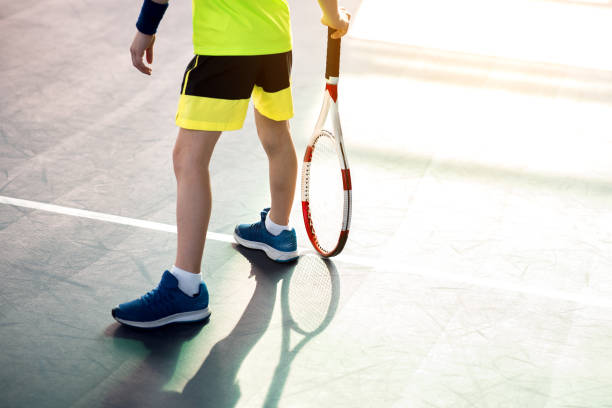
(274, 228)
(188, 282)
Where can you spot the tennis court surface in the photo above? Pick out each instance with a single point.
(478, 271)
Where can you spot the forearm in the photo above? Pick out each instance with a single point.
(330, 9)
(151, 14)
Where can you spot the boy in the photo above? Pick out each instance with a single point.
(242, 48)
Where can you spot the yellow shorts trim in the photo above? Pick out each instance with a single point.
(202, 113)
(275, 105)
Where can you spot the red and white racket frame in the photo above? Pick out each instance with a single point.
(329, 108)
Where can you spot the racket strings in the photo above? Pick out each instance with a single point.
(326, 192)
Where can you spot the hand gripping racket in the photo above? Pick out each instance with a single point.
(326, 179)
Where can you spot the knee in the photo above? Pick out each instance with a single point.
(278, 142)
(192, 150)
(178, 160)
(184, 160)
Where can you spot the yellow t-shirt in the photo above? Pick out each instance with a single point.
(241, 27)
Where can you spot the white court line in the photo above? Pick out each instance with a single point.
(75, 212)
(584, 298)
(151, 225)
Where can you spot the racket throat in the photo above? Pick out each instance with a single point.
(331, 87)
(332, 90)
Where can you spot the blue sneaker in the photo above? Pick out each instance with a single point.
(280, 248)
(163, 305)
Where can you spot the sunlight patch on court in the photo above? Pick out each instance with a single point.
(496, 131)
(558, 32)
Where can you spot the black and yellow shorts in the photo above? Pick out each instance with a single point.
(216, 90)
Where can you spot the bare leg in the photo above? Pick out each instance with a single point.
(191, 157)
(276, 140)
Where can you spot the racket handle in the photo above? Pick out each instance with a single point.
(332, 66)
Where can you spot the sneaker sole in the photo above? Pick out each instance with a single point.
(185, 317)
(274, 254)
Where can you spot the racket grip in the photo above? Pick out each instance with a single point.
(332, 65)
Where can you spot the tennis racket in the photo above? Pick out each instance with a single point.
(326, 179)
(309, 299)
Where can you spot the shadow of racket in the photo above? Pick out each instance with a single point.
(309, 300)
